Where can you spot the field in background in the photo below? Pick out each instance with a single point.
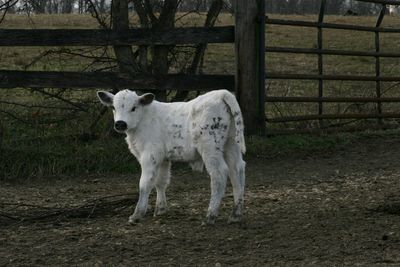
(302, 37)
(41, 140)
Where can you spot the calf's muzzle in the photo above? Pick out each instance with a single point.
(120, 126)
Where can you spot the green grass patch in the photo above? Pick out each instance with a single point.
(65, 156)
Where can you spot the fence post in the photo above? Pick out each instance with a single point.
(249, 78)
(378, 60)
(320, 60)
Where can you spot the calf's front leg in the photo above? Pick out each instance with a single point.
(146, 184)
(162, 182)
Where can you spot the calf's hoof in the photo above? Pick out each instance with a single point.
(235, 218)
(210, 220)
(160, 211)
(134, 219)
(236, 215)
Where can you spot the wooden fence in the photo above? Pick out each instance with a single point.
(320, 25)
(248, 34)
(244, 34)
(94, 37)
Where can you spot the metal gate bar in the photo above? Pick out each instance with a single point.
(320, 25)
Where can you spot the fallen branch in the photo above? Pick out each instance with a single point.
(23, 212)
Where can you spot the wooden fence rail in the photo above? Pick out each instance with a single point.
(96, 37)
(117, 80)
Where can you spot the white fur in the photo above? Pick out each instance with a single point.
(206, 131)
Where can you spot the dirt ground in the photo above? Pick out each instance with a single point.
(330, 208)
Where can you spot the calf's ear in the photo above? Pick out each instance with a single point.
(105, 98)
(146, 99)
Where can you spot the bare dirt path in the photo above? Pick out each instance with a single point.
(338, 207)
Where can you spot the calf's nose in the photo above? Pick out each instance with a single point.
(120, 126)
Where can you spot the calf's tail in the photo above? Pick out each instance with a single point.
(236, 113)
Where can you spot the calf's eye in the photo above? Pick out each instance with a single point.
(133, 109)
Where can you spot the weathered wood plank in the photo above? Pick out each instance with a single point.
(247, 84)
(113, 80)
(100, 37)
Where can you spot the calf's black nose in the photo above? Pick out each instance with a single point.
(120, 125)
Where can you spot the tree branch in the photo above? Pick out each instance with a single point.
(198, 57)
(6, 7)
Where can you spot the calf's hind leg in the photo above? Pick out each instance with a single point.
(236, 166)
(218, 171)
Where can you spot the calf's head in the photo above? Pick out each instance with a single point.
(127, 108)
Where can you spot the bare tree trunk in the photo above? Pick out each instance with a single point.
(80, 6)
(212, 15)
(159, 54)
(102, 6)
(166, 20)
(38, 6)
(7, 7)
(67, 6)
(145, 23)
(54, 6)
(120, 21)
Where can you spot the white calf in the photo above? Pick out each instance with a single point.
(205, 131)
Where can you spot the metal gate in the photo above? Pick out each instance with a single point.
(322, 118)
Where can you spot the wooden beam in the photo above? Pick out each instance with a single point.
(261, 66)
(113, 80)
(247, 70)
(101, 37)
